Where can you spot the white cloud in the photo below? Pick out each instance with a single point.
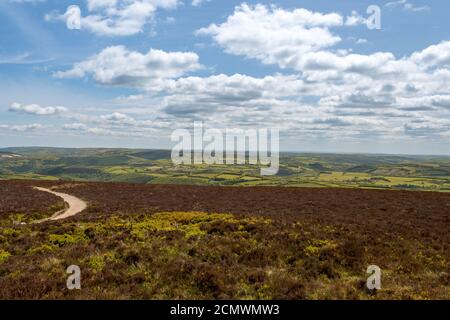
(119, 66)
(75, 126)
(302, 40)
(353, 96)
(405, 4)
(273, 35)
(320, 62)
(118, 118)
(23, 58)
(21, 127)
(113, 17)
(355, 19)
(395, 3)
(411, 7)
(101, 4)
(362, 41)
(130, 98)
(433, 56)
(330, 93)
(37, 109)
(198, 3)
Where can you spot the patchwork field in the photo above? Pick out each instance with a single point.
(210, 242)
(420, 173)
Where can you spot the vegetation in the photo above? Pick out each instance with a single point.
(430, 173)
(188, 242)
(23, 205)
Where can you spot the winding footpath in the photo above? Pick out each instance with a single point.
(75, 206)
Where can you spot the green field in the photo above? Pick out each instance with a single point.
(430, 173)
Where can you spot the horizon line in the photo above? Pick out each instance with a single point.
(281, 151)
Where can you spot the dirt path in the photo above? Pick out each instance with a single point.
(75, 206)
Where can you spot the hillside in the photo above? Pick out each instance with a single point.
(430, 173)
(138, 241)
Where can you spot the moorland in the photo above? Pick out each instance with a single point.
(142, 241)
(153, 230)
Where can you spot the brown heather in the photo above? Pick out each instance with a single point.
(188, 242)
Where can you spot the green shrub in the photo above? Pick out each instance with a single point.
(4, 255)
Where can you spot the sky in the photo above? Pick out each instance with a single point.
(127, 73)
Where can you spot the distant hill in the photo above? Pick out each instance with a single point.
(153, 154)
(430, 173)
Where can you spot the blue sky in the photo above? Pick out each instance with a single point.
(126, 73)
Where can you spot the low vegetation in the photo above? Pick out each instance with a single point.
(187, 242)
(19, 204)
